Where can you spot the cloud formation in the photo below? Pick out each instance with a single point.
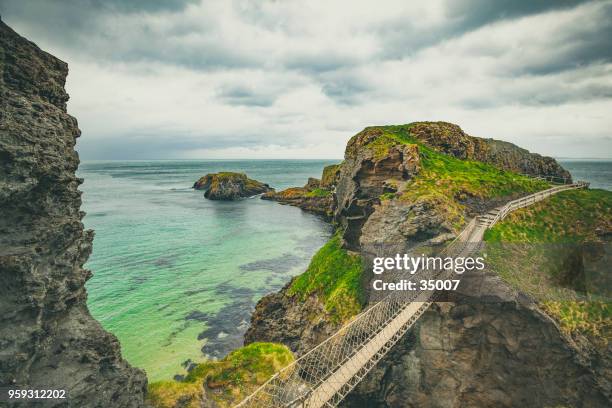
(184, 78)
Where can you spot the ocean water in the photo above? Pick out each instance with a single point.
(176, 276)
(597, 172)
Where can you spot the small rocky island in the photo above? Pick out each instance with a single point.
(230, 186)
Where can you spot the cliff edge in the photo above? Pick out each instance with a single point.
(48, 339)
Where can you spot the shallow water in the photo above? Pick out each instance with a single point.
(175, 275)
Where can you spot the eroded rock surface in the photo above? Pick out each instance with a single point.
(282, 318)
(48, 339)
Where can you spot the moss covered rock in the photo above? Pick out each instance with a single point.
(230, 186)
(222, 383)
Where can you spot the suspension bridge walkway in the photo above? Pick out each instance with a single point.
(326, 374)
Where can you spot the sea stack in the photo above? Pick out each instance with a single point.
(229, 186)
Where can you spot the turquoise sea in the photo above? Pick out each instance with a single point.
(176, 276)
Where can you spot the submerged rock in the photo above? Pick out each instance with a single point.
(230, 186)
(48, 339)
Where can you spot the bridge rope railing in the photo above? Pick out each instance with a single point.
(323, 376)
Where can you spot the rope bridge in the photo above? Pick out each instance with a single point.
(326, 374)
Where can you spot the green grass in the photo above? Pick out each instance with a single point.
(387, 196)
(335, 276)
(446, 182)
(230, 175)
(228, 380)
(592, 318)
(318, 192)
(533, 249)
(569, 216)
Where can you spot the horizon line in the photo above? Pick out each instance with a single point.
(292, 158)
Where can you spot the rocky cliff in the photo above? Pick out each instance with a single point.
(413, 187)
(48, 339)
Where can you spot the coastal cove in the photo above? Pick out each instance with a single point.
(176, 276)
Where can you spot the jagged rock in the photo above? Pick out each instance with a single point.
(229, 186)
(365, 176)
(48, 339)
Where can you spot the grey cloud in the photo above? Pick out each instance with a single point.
(242, 95)
(543, 95)
(587, 42)
(30, 7)
(159, 144)
(88, 29)
(471, 14)
(345, 89)
(318, 63)
(401, 37)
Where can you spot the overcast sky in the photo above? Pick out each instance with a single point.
(295, 79)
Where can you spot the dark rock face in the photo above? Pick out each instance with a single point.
(498, 352)
(281, 318)
(450, 139)
(365, 177)
(229, 186)
(48, 339)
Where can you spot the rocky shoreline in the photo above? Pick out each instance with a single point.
(315, 197)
